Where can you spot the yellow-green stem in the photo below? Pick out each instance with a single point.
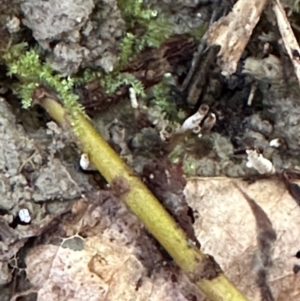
(145, 206)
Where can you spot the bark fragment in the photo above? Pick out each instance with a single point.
(233, 32)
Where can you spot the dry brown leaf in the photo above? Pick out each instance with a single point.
(103, 270)
(233, 32)
(227, 230)
(63, 274)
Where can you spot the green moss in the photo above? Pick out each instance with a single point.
(26, 65)
(151, 31)
(112, 81)
(86, 76)
(144, 29)
(127, 48)
(189, 162)
(134, 11)
(190, 166)
(176, 155)
(162, 99)
(157, 30)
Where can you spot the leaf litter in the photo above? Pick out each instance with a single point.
(252, 230)
(112, 259)
(251, 240)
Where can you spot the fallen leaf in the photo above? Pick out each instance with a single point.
(228, 230)
(116, 259)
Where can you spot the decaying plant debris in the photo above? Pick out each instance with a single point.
(65, 229)
(149, 68)
(116, 259)
(245, 258)
(233, 32)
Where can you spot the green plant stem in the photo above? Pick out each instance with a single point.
(145, 206)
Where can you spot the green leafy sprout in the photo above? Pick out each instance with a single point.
(31, 72)
(112, 81)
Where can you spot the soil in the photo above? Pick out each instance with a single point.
(39, 162)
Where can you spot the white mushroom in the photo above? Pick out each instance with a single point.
(133, 99)
(275, 142)
(259, 162)
(84, 161)
(24, 215)
(194, 120)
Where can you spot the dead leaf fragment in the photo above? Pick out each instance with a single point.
(103, 270)
(227, 230)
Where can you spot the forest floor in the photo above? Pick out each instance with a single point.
(202, 101)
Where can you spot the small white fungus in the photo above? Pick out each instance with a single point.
(133, 99)
(275, 143)
(259, 162)
(84, 161)
(24, 215)
(194, 120)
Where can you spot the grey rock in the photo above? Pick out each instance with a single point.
(230, 169)
(207, 168)
(51, 20)
(15, 149)
(69, 55)
(286, 114)
(54, 182)
(5, 274)
(255, 139)
(25, 178)
(222, 146)
(86, 34)
(183, 15)
(256, 124)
